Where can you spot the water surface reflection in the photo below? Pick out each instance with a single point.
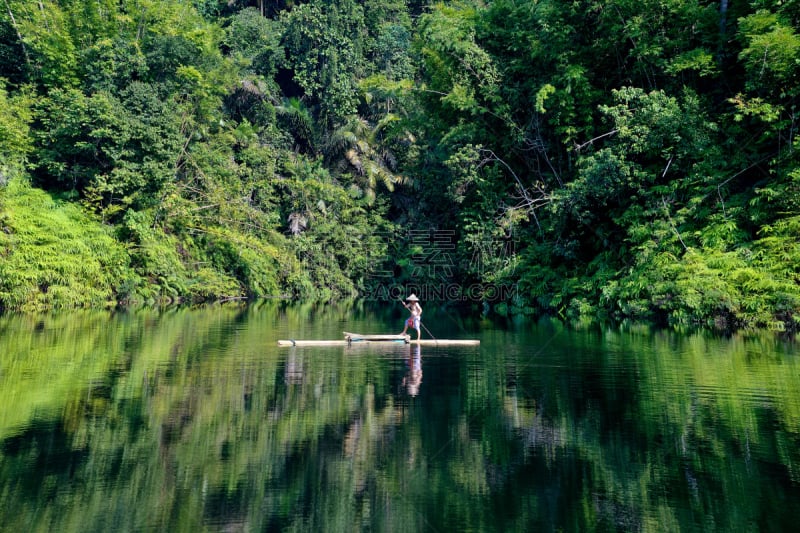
(194, 419)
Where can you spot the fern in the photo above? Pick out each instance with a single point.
(54, 255)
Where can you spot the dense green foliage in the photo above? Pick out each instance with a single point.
(54, 255)
(638, 153)
(628, 159)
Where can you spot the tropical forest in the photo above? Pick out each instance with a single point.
(618, 159)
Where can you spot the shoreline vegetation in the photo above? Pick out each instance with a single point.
(623, 161)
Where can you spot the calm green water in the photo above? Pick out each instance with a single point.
(194, 420)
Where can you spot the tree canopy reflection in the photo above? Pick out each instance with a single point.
(192, 418)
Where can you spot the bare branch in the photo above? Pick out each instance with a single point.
(202, 207)
(579, 147)
(672, 224)
(529, 202)
(669, 163)
(719, 186)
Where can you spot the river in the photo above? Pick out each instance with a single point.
(193, 419)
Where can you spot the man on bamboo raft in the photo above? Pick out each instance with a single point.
(414, 321)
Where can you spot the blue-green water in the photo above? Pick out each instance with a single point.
(195, 420)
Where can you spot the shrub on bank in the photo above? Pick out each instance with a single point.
(54, 255)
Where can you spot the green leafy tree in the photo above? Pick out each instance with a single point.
(324, 44)
(255, 40)
(390, 36)
(112, 151)
(14, 61)
(15, 139)
(43, 33)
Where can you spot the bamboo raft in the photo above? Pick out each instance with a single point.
(358, 339)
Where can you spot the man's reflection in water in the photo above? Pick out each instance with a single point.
(413, 377)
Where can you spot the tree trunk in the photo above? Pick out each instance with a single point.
(44, 15)
(19, 35)
(723, 13)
